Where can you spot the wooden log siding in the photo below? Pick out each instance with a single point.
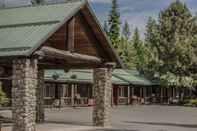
(71, 35)
(48, 52)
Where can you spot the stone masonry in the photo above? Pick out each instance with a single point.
(102, 95)
(24, 84)
(40, 97)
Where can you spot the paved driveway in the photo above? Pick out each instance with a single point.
(134, 118)
(127, 118)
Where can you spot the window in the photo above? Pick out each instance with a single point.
(49, 90)
(122, 91)
(65, 90)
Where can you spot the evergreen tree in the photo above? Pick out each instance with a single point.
(139, 49)
(174, 45)
(151, 46)
(114, 24)
(127, 53)
(126, 31)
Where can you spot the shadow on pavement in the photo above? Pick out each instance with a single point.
(164, 124)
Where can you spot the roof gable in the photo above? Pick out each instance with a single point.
(23, 29)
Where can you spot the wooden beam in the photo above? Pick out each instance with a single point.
(71, 35)
(66, 55)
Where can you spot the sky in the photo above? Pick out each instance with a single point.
(137, 12)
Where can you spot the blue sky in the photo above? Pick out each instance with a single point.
(136, 12)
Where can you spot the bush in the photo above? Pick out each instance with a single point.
(3, 97)
(192, 102)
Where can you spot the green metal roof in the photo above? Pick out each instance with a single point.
(80, 76)
(132, 78)
(23, 29)
(119, 77)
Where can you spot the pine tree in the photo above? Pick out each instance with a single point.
(174, 44)
(139, 49)
(126, 31)
(151, 46)
(114, 24)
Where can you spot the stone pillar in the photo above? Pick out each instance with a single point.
(24, 94)
(40, 97)
(102, 96)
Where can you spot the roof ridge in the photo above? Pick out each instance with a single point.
(29, 24)
(43, 5)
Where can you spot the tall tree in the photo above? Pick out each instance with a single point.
(139, 49)
(126, 31)
(151, 45)
(175, 45)
(114, 24)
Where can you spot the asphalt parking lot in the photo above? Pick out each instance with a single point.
(133, 118)
(124, 118)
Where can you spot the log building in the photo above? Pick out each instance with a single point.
(62, 36)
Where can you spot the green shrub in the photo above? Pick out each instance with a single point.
(192, 102)
(3, 97)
